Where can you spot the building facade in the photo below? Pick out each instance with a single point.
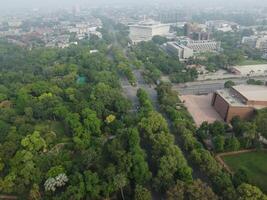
(240, 101)
(181, 51)
(145, 31)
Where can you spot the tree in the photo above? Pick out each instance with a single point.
(191, 191)
(249, 192)
(142, 193)
(120, 181)
(261, 122)
(51, 184)
(92, 184)
(229, 84)
(232, 144)
(218, 143)
(91, 122)
(35, 193)
(177, 192)
(55, 171)
(159, 39)
(217, 128)
(154, 123)
(139, 170)
(199, 190)
(34, 142)
(240, 177)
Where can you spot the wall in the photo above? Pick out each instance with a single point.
(220, 105)
(242, 112)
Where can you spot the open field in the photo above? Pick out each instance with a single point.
(254, 162)
(200, 108)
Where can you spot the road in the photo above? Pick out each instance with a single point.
(130, 91)
(205, 87)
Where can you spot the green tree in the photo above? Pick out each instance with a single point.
(232, 144)
(240, 176)
(218, 143)
(34, 142)
(120, 181)
(229, 84)
(142, 193)
(92, 184)
(249, 192)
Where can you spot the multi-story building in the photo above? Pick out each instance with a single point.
(258, 42)
(144, 31)
(222, 25)
(196, 31)
(200, 45)
(204, 45)
(241, 100)
(179, 50)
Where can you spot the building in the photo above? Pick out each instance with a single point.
(257, 42)
(250, 70)
(144, 31)
(250, 41)
(179, 50)
(204, 45)
(241, 100)
(222, 25)
(196, 31)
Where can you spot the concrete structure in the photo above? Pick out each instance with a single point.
(204, 45)
(200, 45)
(258, 42)
(196, 31)
(222, 25)
(240, 101)
(144, 31)
(250, 70)
(179, 50)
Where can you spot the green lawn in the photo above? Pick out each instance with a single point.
(255, 163)
(253, 62)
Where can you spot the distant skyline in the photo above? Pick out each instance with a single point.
(23, 4)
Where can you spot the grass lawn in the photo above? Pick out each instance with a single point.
(253, 62)
(255, 163)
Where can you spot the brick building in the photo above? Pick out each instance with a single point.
(241, 100)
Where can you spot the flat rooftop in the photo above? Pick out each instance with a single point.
(230, 97)
(252, 69)
(252, 92)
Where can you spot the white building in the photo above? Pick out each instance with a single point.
(144, 31)
(200, 45)
(204, 45)
(258, 42)
(222, 25)
(179, 50)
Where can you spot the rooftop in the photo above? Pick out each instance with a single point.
(230, 97)
(252, 92)
(252, 69)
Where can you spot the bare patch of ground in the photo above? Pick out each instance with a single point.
(200, 108)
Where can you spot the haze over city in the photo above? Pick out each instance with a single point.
(133, 99)
(18, 4)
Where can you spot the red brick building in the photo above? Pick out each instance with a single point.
(241, 100)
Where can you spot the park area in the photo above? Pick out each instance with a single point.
(199, 106)
(254, 162)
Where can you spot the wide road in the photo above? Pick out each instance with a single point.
(131, 91)
(205, 87)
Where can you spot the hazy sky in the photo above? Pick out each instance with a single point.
(15, 4)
